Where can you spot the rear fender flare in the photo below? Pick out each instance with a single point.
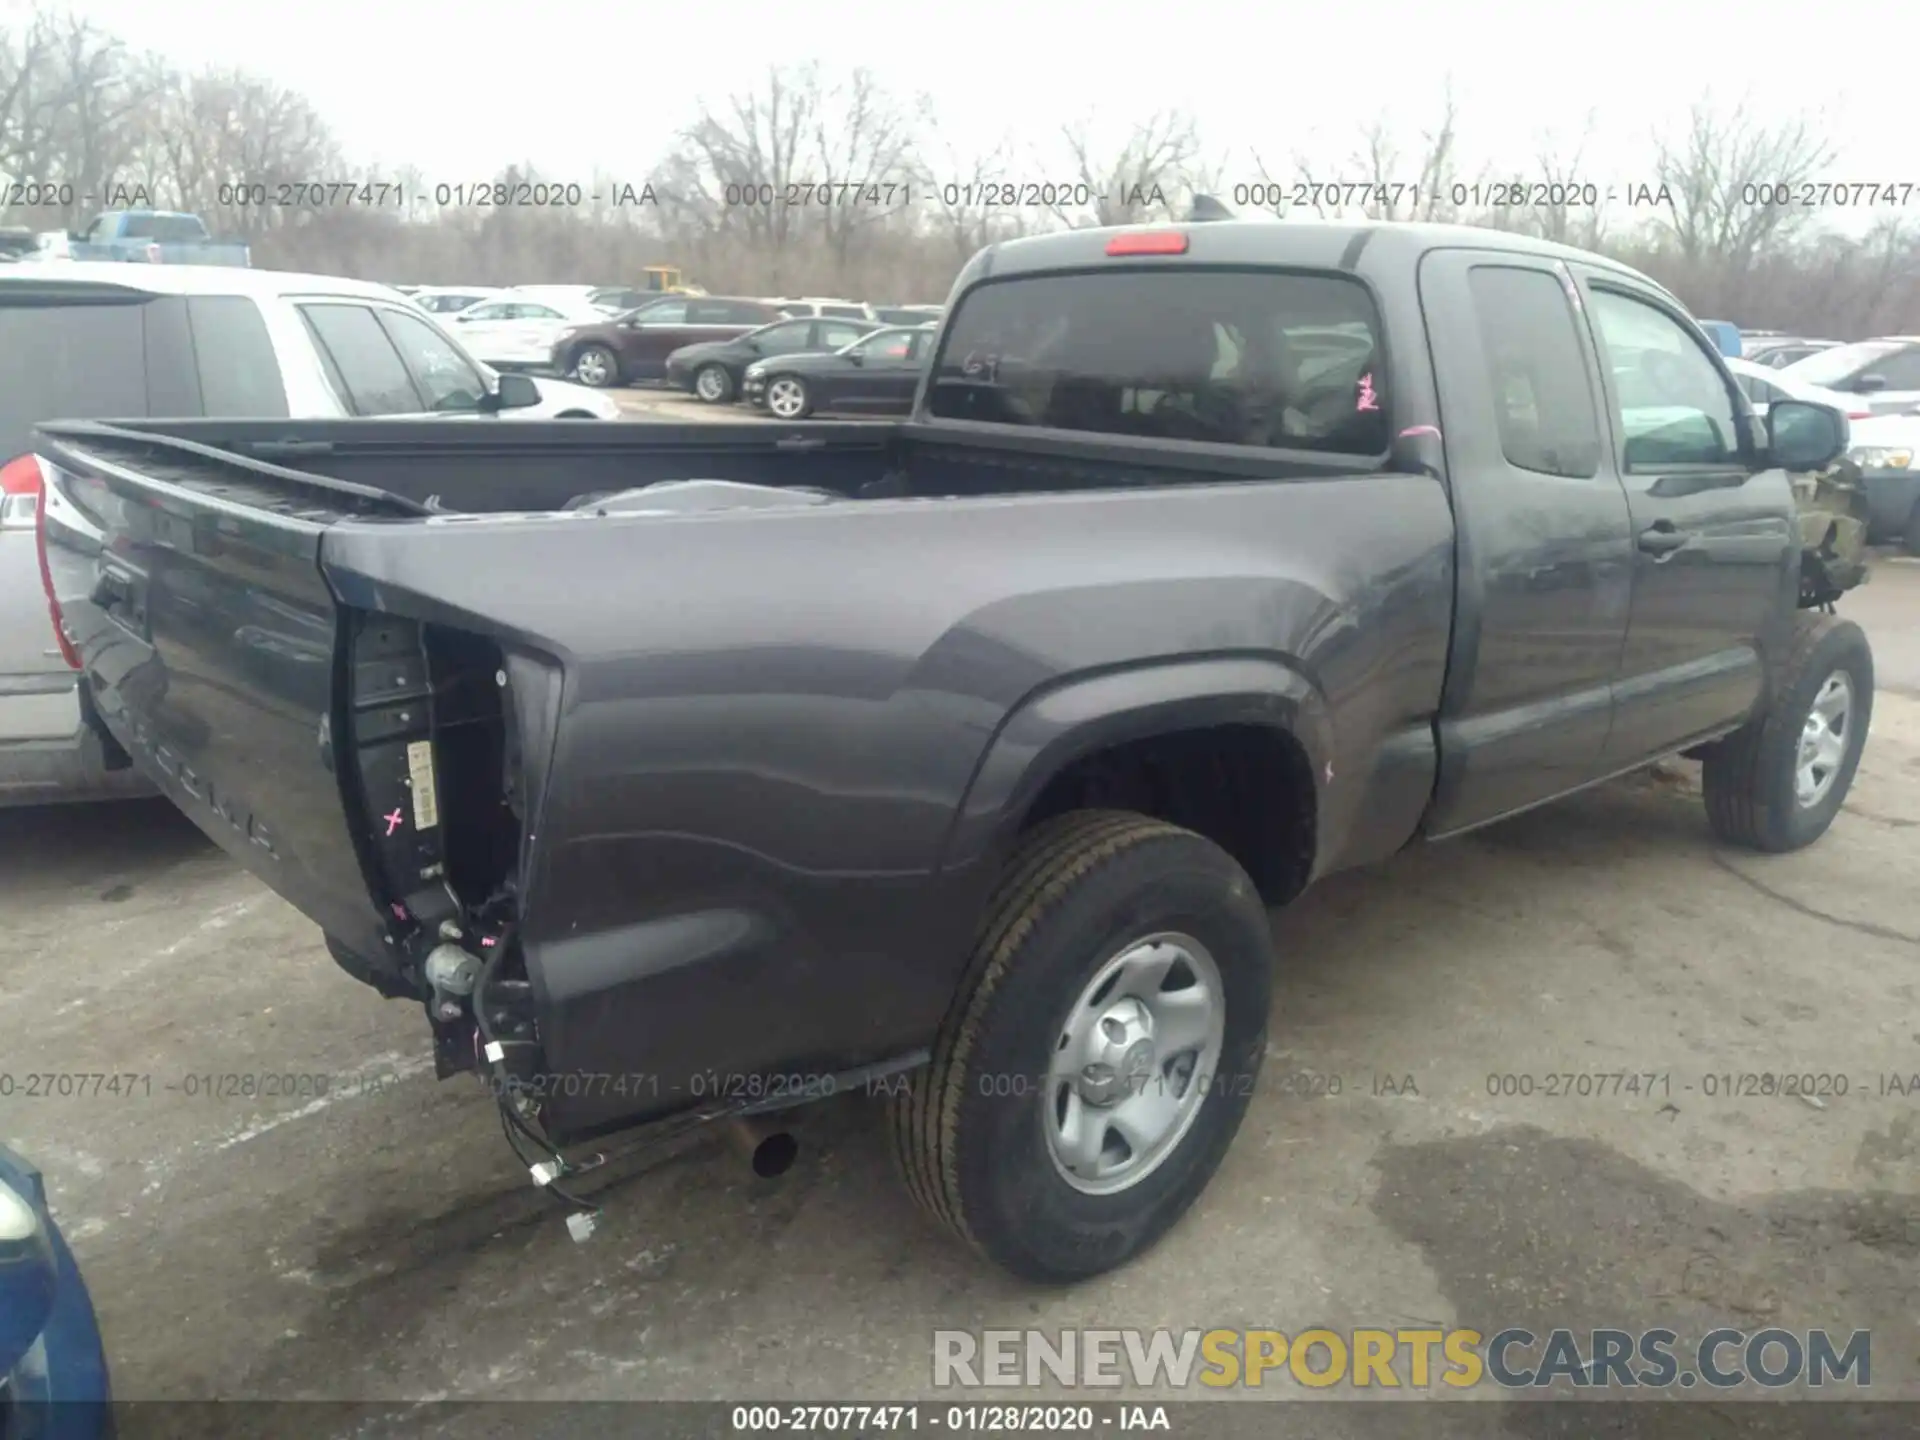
(1079, 715)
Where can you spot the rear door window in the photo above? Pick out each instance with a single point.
(1266, 359)
(664, 312)
(787, 339)
(239, 371)
(1542, 398)
(364, 359)
(72, 362)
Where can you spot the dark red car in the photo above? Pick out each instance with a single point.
(635, 346)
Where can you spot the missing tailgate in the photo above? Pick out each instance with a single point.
(430, 737)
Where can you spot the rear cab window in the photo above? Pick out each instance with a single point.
(1268, 359)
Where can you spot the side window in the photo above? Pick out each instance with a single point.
(786, 339)
(447, 378)
(894, 349)
(495, 311)
(835, 334)
(535, 312)
(1902, 370)
(1671, 404)
(666, 312)
(708, 312)
(368, 366)
(1542, 399)
(741, 313)
(239, 373)
(844, 312)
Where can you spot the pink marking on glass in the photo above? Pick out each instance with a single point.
(393, 820)
(399, 911)
(1412, 430)
(487, 942)
(1368, 400)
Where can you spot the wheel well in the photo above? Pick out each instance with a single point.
(1247, 788)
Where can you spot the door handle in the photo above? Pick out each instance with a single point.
(1662, 539)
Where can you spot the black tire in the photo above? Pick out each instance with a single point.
(1748, 778)
(1077, 890)
(721, 386)
(601, 367)
(1910, 537)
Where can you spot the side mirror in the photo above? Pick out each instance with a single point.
(1867, 384)
(857, 358)
(515, 392)
(1804, 436)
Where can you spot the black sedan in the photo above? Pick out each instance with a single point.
(876, 375)
(713, 369)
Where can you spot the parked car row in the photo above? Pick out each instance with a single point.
(797, 368)
(592, 333)
(181, 341)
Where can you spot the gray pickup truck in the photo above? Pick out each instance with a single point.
(688, 774)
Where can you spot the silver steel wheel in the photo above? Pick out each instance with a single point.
(1135, 1059)
(594, 368)
(787, 398)
(1823, 741)
(711, 384)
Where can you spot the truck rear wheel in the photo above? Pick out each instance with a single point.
(1777, 782)
(1101, 1049)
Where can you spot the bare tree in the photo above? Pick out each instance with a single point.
(735, 175)
(1377, 179)
(964, 204)
(1727, 189)
(1558, 201)
(1144, 180)
(863, 163)
(24, 109)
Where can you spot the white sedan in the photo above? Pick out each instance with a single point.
(518, 334)
(446, 301)
(1764, 386)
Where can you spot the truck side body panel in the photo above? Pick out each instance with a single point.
(747, 854)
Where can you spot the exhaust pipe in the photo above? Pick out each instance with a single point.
(766, 1147)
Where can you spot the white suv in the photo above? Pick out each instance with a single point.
(95, 340)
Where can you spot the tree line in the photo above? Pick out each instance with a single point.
(820, 181)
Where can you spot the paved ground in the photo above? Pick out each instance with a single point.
(650, 402)
(378, 1242)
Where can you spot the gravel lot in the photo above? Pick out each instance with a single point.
(380, 1243)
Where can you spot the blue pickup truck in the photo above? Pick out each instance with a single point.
(156, 237)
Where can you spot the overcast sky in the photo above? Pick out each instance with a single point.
(460, 90)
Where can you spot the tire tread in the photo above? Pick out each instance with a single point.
(1732, 782)
(923, 1123)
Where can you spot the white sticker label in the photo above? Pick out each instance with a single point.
(426, 809)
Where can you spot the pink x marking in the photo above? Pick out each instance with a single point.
(393, 820)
